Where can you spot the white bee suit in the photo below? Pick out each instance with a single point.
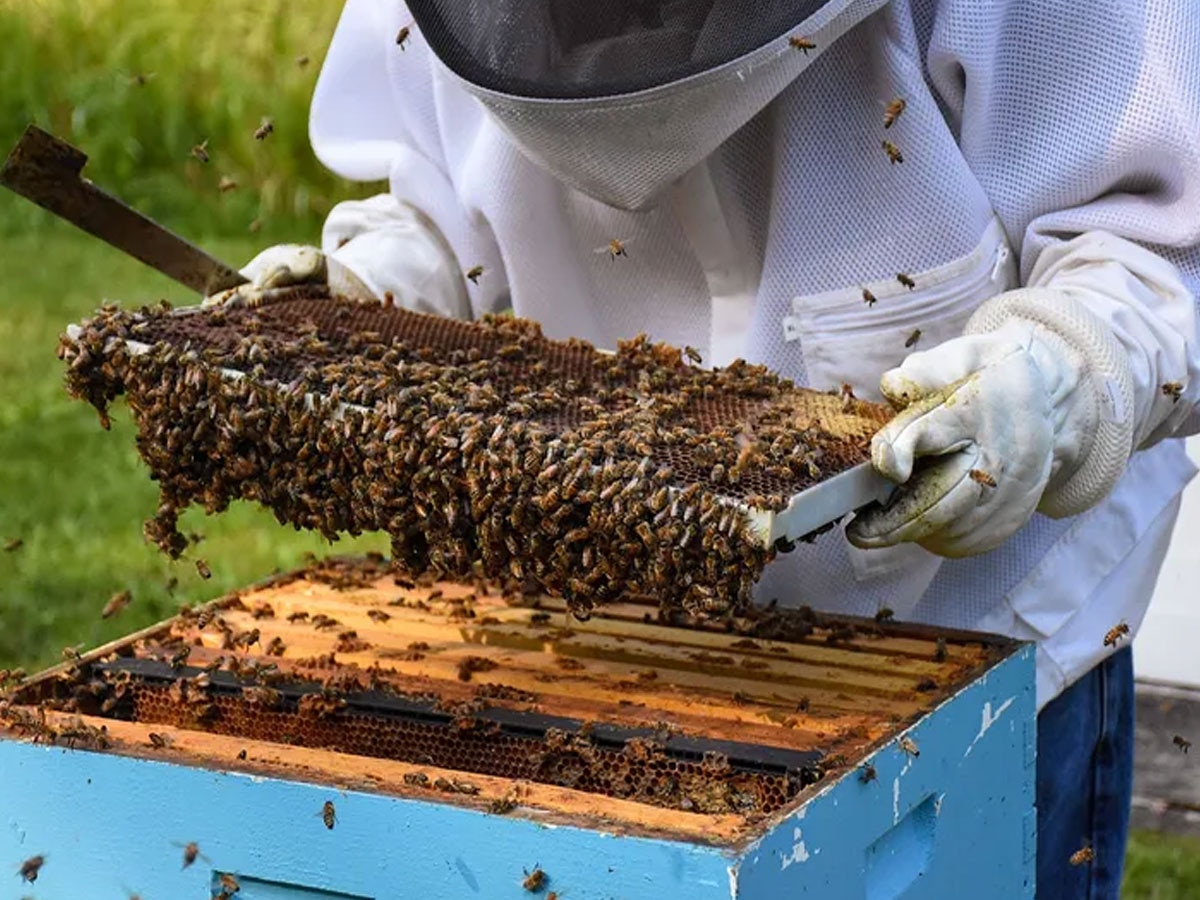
(1027, 124)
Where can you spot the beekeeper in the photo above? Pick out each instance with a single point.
(988, 214)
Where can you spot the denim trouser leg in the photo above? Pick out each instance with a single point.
(1085, 783)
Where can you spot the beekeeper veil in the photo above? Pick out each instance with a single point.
(620, 98)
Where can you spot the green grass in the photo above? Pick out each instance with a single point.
(1161, 867)
(77, 495)
(214, 69)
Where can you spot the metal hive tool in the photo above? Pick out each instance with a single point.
(311, 348)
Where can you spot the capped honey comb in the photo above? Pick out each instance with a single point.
(476, 446)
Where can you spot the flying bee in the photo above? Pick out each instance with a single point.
(229, 885)
(868, 297)
(939, 653)
(474, 273)
(909, 746)
(1115, 634)
(30, 868)
(535, 880)
(802, 43)
(191, 852)
(1181, 742)
(329, 814)
(614, 248)
(693, 355)
(913, 338)
(885, 614)
(116, 604)
(265, 127)
(905, 280)
(1084, 854)
(141, 79)
(301, 61)
(226, 184)
(1173, 389)
(981, 477)
(893, 152)
(402, 36)
(200, 151)
(893, 112)
(203, 570)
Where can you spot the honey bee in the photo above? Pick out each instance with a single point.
(200, 151)
(226, 184)
(905, 280)
(939, 653)
(160, 741)
(909, 746)
(535, 880)
(203, 570)
(377, 615)
(802, 43)
(71, 654)
(31, 867)
(1115, 634)
(893, 152)
(474, 273)
(402, 36)
(116, 604)
(265, 127)
(693, 355)
(614, 248)
(868, 297)
(913, 338)
(867, 774)
(1173, 389)
(329, 814)
(1084, 854)
(191, 852)
(893, 112)
(981, 477)
(229, 885)
(179, 657)
(1181, 742)
(12, 545)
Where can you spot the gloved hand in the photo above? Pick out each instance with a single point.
(1032, 409)
(377, 248)
(285, 266)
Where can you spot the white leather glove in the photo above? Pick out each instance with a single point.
(376, 248)
(1032, 409)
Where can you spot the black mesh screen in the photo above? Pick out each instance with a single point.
(594, 48)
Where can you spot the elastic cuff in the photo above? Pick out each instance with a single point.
(1105, 363)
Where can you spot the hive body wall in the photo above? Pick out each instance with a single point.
(959, 814)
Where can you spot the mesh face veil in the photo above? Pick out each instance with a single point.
(620, 98)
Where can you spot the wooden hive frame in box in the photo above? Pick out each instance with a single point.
(447, 704)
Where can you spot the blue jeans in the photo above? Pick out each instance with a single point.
(1085, 783)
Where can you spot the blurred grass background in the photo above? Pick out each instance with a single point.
(136, 84)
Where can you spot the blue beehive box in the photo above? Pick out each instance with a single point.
(376, 740)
